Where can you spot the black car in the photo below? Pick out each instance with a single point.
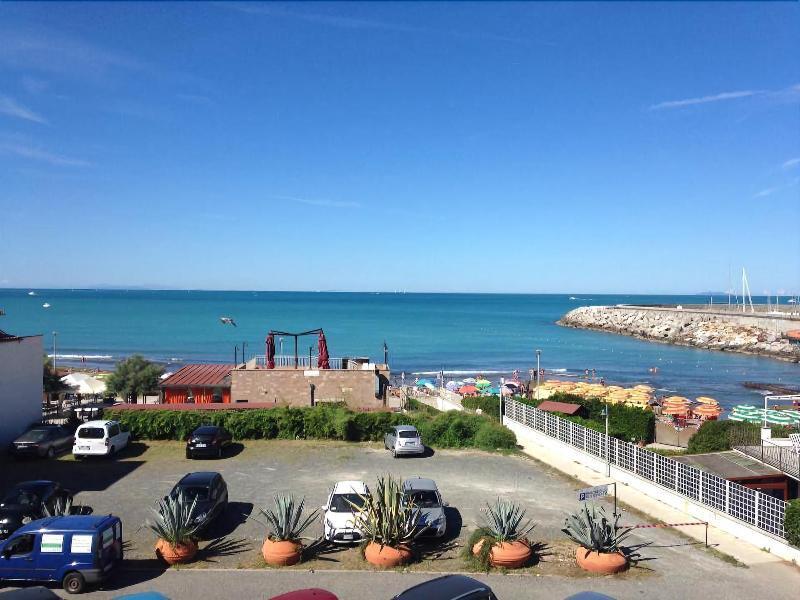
(27, 502)
(449, 587)
(42, 440)
(211, 492)
(208, 440)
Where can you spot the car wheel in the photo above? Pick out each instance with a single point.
(51, 452)
(188, 455)
(219, 452)
(394, 453)
(74, 583)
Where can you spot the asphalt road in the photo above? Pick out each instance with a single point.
(128, 486)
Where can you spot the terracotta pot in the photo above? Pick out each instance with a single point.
(173, 555)
(597, 562)
(386, 556)
(281, 553)
(509, 555)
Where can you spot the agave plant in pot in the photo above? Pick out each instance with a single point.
(388, 523)
(503, 540)
(598, 539)
(176, 530)
(285, 526)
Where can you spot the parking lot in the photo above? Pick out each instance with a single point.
(130, 484)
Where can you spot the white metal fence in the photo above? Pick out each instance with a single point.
(752, 507)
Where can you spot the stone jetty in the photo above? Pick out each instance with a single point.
(748, 334)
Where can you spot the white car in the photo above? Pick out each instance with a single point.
(99, 438)
(403, 439)
(339, 517)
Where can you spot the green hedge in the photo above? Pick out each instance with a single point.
(715, 436)
(444, 430)
(791, 523)
(489, 405)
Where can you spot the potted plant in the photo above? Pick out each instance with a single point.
(503, 538)
(388, 523)
(285, 526)
(598, 540)
(176, 530)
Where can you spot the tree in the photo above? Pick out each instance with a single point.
(133, 377)
(50, 379)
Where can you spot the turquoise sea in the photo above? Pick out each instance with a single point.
(492, 334)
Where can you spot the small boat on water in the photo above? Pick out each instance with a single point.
(227, 321)
(46, 305)
(31, 293)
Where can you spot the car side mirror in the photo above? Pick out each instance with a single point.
(445, 504)
(324, 507)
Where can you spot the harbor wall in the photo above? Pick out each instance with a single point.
(761, 334)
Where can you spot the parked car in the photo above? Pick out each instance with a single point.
(99, 438)
(339, 514)
(208, 440)
(404, 439)
(448, 587)
(211, 492)
(42, 440)
(27, 501)
(73, 550)
(307, 594)
(425, 495)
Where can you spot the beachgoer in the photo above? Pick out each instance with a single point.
(602, 382)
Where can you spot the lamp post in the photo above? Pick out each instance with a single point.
(385, 353)
(55, 356)
(280, 344)
(608, 459)
(538, 372)
(244, 359)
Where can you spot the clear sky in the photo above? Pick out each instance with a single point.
(427, 147)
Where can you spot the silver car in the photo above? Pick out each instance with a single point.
(425, 496)
(403, 439)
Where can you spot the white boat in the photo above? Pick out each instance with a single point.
(31, 293)
(46, 305)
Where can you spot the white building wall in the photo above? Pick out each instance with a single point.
(20, 386)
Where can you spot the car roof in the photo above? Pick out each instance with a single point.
(198, 478)
(419, 483)
(67, 523)
(350, 487)
(98, 423)
(207, 428)
(405, 428)
(448, 586)
(36, 484)
(43, 426)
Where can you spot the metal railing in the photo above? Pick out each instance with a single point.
(304, 363)
(750, 506)
(783, 458)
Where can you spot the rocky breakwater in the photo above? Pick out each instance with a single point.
(731, 333)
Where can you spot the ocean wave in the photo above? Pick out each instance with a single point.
(80, 356)
(470, 372)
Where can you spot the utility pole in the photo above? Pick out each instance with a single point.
(538, 372)
(608, 458)
(235, 356)
(55, 356)
(244, 358)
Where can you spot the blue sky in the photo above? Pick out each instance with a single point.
(426, 147)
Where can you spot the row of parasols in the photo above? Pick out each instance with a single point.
(705, 408)
(753, 414)
(470, 386)
(639, 395)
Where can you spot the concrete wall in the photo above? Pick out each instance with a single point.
(529, 438)
(291, 387)
(667, 434)
(20, 386)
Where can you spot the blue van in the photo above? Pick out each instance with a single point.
(72, 550)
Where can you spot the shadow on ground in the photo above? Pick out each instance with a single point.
(224, 525)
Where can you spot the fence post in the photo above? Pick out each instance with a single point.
(585, 431)
(727, 497)
(677, 469)
(700, 490)
(758, 500)
(635, 459)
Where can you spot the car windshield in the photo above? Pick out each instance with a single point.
(341, 502)
(408, 434)
(23, 497)
(34, 435)
(192, 492)
(423, 498)
(92, 433)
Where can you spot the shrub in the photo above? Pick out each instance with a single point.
(714, 436)
(493, 436)
(791, 523)
(489, 405)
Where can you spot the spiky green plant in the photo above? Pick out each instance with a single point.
(504, 521)
(61, 506)
(285, 521)
(385, 518)
(174, 522)
(592, 529)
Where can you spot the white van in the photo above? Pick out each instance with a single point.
(99, 438)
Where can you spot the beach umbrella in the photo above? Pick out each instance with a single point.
(746, 407)
(483, 383)
(676, 410)
(494, 391)
(706, 400)
(707, 410)
(423, 382)
(84, 384)
(451, 386)
(469, 380)
(270, 351)
(429, 386)
(465, 390)
(778, 418)
(745, 418)
(323, 360)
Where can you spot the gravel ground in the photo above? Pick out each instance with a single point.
(129, 485)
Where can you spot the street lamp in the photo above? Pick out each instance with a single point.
(608, 458)
(538, 372)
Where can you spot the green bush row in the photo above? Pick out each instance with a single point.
(489, 405)
(715, 436)
(444, 430)
(791, 523)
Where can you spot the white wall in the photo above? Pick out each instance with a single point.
(20, 386)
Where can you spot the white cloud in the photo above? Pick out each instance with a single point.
(792, 162)
(33, 153)
(706, 99)
(778, 188)
(12, 108)
(321, 202)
